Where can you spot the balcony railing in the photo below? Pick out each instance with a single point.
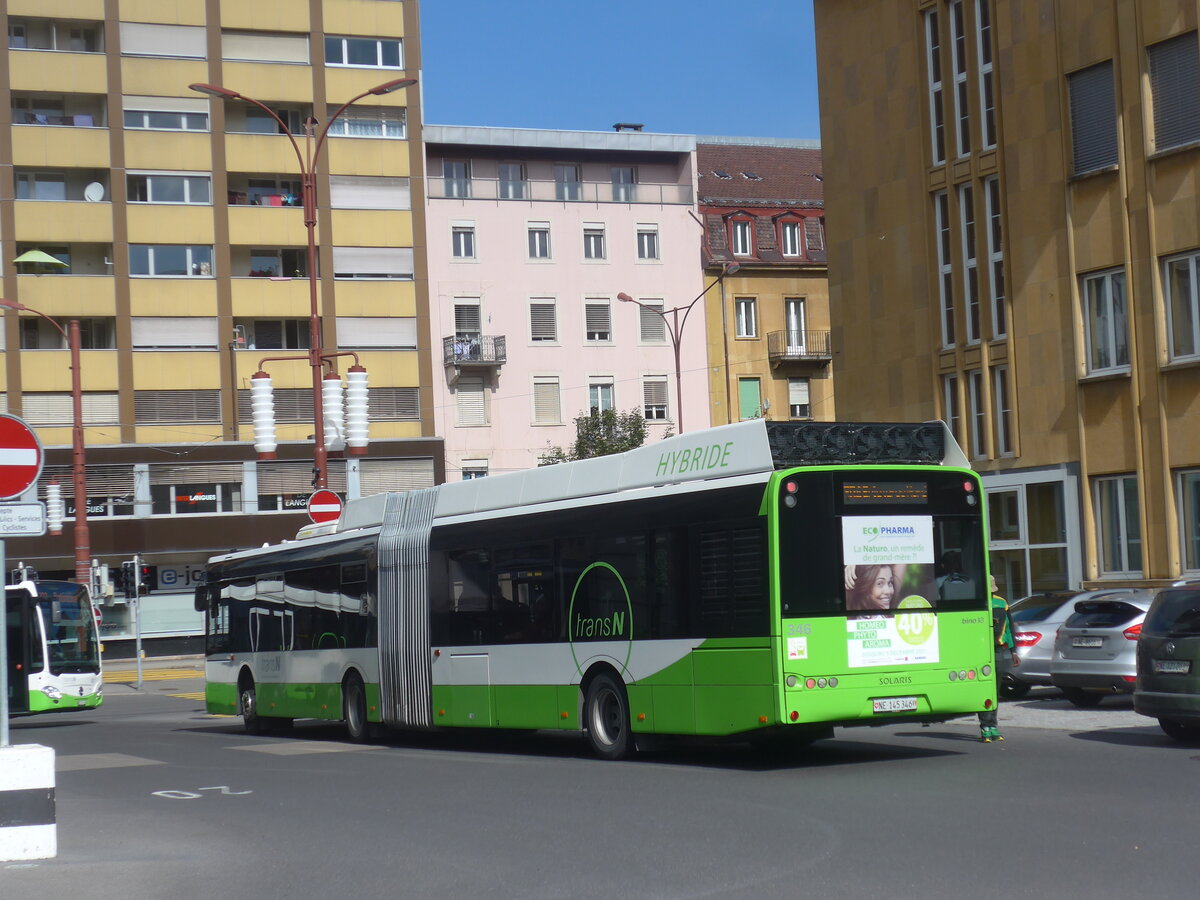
(483, 350)
(799, 346)
(558, 191)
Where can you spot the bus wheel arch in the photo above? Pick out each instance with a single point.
(605, 716)
(354, 707)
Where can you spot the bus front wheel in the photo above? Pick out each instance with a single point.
(355, 710)
(248, 700)
(606, 714)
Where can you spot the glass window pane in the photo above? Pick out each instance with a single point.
(163, 120)
(1189, 489)
(198, 190)
(333, 51)
(1048, 569)
(170, 260)
(139, 259)
(361, 52)
(1133, 524)
(166, 189)
(1004, 515)
(201, 260)
(1044, 508)
(391, 53)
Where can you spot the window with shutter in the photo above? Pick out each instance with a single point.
(545, 401)
(598, 320)
(798, 402)
(470, 400)
(467, 321)
(1093, 117)
(394, 404)
(654, 398)
(543, 322)
(292, 405)
(369, 192)
(1174, 85)
(652, 326)
(201, 406)
(56, 409)
(379, 475)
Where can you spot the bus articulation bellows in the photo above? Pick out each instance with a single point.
(759, 580)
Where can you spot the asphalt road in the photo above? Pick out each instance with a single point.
(157, 799)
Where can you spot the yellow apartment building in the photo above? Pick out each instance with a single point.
(170, 223)
(762, 210)
(1013, 246)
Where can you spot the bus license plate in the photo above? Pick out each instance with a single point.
(1173, 666)
(894, 704)
(1087, 642)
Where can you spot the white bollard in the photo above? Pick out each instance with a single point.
(27, 826)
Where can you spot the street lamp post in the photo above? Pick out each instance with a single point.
(675, 326)
(83, 548)
(307, 161)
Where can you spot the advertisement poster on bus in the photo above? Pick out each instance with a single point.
(889, 564)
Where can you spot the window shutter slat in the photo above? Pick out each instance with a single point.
(368, 331)
(379, 475)
(543, 322)
(469, 397)
(365, 192)
(200, 406)
(1093, 117)
(174, 332)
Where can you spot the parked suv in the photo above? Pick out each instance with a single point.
(1168, 662)
(1036, 619)
(1095, 653)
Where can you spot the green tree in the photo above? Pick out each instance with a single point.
(600, 434)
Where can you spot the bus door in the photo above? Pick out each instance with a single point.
(20, 629)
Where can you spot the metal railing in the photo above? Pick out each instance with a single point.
(799, 346)
(560, 191)
(475, 350)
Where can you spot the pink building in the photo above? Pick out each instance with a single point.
(532, 235)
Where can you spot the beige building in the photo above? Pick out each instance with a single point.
(763, 214)
(170, 223)
(1013, 246)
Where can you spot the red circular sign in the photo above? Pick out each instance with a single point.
(324, 506)
(20, 457)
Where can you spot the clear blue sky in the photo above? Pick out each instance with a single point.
(717, 67)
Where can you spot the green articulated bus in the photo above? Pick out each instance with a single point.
(760, 580)
(53, 648)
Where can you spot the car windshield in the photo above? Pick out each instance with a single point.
(1102, 614)
(1175, 613)
(1038, 607)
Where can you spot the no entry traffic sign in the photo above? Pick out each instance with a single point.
(20, 457)
(324, 506)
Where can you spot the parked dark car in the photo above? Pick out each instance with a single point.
(1168, 662)
(1095, 653)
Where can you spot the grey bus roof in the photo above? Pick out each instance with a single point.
(744, 448)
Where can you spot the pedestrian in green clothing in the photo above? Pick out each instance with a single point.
(1005, 647)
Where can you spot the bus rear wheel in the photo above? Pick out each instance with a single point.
(606, 715)
(354, 710)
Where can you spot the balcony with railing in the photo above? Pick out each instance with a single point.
(799, 347)
(472, 188)
(474, 351)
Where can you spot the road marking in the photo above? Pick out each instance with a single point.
(299, 748)
(84, 761)
(194, 695)
(128, 676)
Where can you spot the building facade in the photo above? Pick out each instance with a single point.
(169, 222)
(533, 238)
(1013, 247)
(763, 212)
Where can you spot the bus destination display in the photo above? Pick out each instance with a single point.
(861, 493)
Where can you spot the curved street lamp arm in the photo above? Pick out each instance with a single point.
(20, 307)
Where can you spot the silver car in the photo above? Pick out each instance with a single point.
(1095, 653)
(1035, 621)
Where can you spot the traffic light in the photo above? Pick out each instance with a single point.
(128, 582)
(147, 579)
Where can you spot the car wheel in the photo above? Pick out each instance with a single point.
(1082, 699)
(606, 714)
(1178, 731)
(354, 704)
(1011, 689)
